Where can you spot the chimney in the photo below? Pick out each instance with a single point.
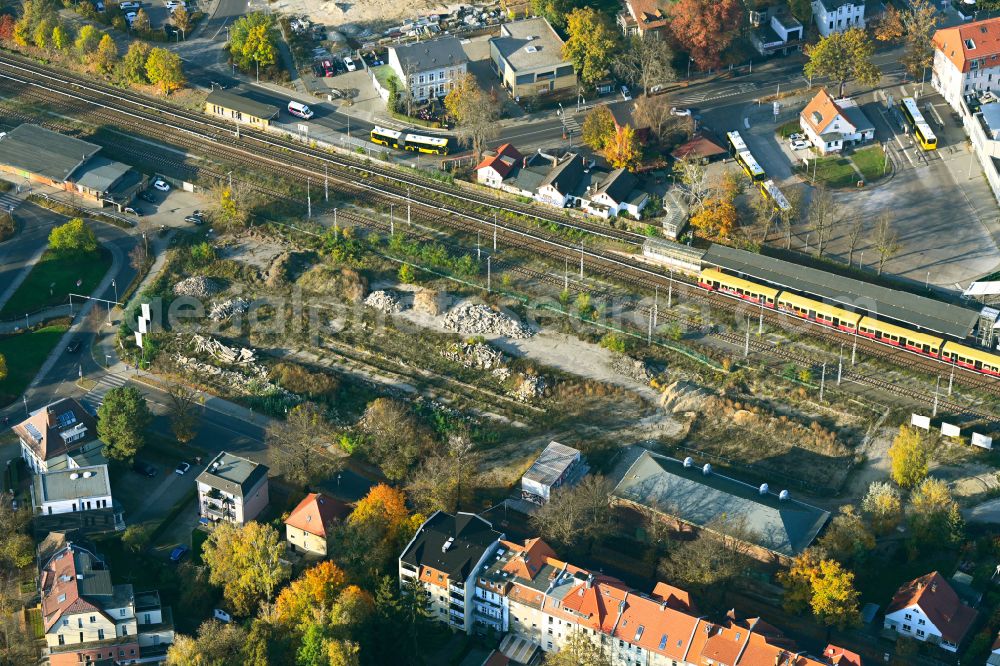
(934, 587)
(590, 581)
(50, 417)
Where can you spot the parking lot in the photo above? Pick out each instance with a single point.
(941, 206)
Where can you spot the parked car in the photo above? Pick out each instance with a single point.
(130, 16)
(796, 136)
(349, 63)
(73, 347)
(329, 69)
(222, 616)
(161, 185)
(182, 468)
(147, 197)
(626, 94)
(174, 4)
(144, 468)
(194, 219)
(658, 88)
(129, 6)
(678, 111)
(800, 145)
(132, 211)
(178, 553)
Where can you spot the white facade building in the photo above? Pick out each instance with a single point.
(69, 490)
(831, 125)
(232, 488)
(433, 67)
(928, 609)
(838, 15)
(966, 61)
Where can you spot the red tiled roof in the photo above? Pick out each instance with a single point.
(821, 111)
(983, 36)
(938, 601)
(649, 14)
(699, 146)
(534, 554)
(838, 656)
(45, 422)
(507, 156)
(316, 513)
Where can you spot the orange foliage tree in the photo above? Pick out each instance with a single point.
(705, 28)
(375, 532)
(314, 592)
(622, 150)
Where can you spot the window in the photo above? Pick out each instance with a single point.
(420, 79)
(62, 640)
(920, 633)
(79, 622)
(121, 612)
(921, 622)
(908, 616)
(62, 598)
(124, 630)
(93, 619)
(907, 627)
(100, 634)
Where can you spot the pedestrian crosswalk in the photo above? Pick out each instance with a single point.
(95, 396)
(709, 94)
(8, 202)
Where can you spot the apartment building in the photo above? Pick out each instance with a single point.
(431, 68)
(309, 527)
(838, 15)
(232, 488)
(88, 619)
(528, 57)
(966, 61)
(644, 18)
(62, 435)
(444, 556)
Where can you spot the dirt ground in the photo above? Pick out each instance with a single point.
(257, 251)
(373, 15)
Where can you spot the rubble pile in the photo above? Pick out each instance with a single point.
(480, 356)
(632, 368)
(472, 319)
(384, 301)
(198, 287)
(250, 379)
(226, 309)
(230, 355)
(529, 389)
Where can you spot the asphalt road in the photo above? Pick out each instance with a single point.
(34, 224)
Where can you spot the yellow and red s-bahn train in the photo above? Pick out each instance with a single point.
(977, 360)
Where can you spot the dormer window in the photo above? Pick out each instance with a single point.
(971, 45)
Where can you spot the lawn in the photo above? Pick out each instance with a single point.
(53, 278)
(870, 161)
(25, 353)
(789, 128)
(832, 171)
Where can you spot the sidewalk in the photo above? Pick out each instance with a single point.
(16, 282)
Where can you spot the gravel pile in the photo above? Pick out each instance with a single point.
(384, 301)
(471, 319)
(529, 389)
(226, 309)
(631, 368)
(198, 286)
(476, 355)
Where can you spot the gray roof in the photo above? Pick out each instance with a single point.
(529, 44)
(59, 486)
(231, 100)
(40, 151)
(422, 56)
(233, 474)
(880, 302)
(857, 117)
(471, 537)
(786, 527)
(96, 577)
(565, 176)
(833, 5)
(100, 174)
(552, 463)
(618, 185)
(991, 115)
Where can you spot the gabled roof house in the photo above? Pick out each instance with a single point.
(831, 125)
(310, 524)
(61, 435)
(928, 609)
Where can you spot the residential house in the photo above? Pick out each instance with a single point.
(644, 18)
(831, 125)
(40, 155)
(562, 180)
(77, 490)
(838, 15)
(782, 32)
(528, 57)
(778, 527)
(928, 609)
(838, 656)
(444, 556)
(617, 193)
(966, 61)
(498, 165)
(232, 488)
(309, 526)
(432, 68)
(86, 618)
(240, 109)
(556, 466)
(61, 435)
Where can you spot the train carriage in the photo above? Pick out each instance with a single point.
(972, 359)
(897, 336)
(714, 280)
(816, 311)
(386, 137)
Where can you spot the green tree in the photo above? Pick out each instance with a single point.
(555, 11)
(163, 68)
(314, 648)
(217, 644)
(239, 35)
(133, 65)
(62, 39)
(843, 57)
(933, 516)
(140, 24)
(598, 128)
(245, 560)
(591, 45)
(578, 649)
(848, 539)
(802, 10)
(73, 237)
(87, 39)
(121, 422)
(136, 538)
(3, 367)
(106, 55)
(43, 33)
(259, 47)
(406, 274)
(910, 457)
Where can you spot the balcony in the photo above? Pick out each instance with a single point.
(456, 589)
(456, 599)
(216, 510)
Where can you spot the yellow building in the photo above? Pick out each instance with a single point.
(240, 109)
(308, 527)
(527, 56)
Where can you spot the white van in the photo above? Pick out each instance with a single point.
(300, 110)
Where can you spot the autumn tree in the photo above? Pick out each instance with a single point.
(591, 45)
(705, 28)
(182, 20)
(395, 439)
(303, 448)
(855, 231)
(43, 33)
(577, 514)
(445, 480)
(843, 57)
(692, 173)
(252, 41)
(555, 11)
(910, 456)
(716, 217)
(122, 420)
(933, 515)
(848, 538)
(711, 561)
(133, 64)
(654, 112)
(164, 69)
(885, 240)
(106, 56)
(375, 533)
(245, 560)
(74, 237)
(821, 585)
(475, 112)
(915, 26)
(598, 128)
(623, 150)
(217, 644)
(62, 38)
(6, 27)
(646, 61)
(579, 649)
(822, 218)
(883, 506)
(310, 597)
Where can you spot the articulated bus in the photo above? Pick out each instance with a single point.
(386, 137)
(922, 130)
(411, 142)
(750, 166)
(736, 143)
(774, 195)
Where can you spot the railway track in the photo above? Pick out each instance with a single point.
(209, 136)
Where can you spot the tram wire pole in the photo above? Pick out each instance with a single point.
(840, 364)
(951, 380)
(822, 383)
(937, 388)
(746, 345)
(489, 274)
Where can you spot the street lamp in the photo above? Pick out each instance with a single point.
(690, 60)
(115, 285)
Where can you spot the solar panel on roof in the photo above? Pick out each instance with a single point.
(33, 431)
(66, 419)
